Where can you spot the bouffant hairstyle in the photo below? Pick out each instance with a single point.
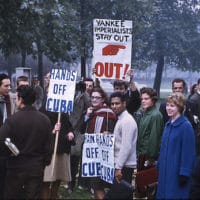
(178, 99)
(102, 93)
(151, 92)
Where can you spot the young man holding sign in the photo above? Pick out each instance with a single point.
(125, 133)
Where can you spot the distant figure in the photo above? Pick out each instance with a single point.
(89, 85)
(22, 80)
(193, 89)
(195, 99)
(177, 152)
(39, 92)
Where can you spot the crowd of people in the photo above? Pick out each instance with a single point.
(165, 135)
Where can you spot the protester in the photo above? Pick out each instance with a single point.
(179, 85)
(150, 129)
(177, 153)
(81, 103)
(22, 80)
(195, 99)
(125, 132)
(131, 92)
(193, 89)
(62, 171)
(7, 106)
(30, 131)
(39, 92)
(93, 125)
(89, 85)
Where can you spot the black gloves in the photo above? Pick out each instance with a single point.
(182, 180)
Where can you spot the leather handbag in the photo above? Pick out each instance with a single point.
(146, 181)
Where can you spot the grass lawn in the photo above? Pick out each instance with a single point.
(76, 194)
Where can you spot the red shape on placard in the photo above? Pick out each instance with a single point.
(111, 50)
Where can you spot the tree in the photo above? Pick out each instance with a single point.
(171, 36)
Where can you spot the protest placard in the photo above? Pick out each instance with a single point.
(61, 90)
(112, 48)
(60, 97)
(98, 156)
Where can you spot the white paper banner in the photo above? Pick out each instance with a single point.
(61, 90)
(98, 156)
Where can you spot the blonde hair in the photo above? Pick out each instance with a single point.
(178, 99)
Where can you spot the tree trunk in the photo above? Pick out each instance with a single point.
(83, 60)
(40, 63)
(23, 54)
(159, 71)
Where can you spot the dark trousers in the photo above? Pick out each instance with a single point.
(2, 175)
(76, 166)
(119, 191)
(74, 169)
(25, 182)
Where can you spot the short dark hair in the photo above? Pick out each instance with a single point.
(27, 93)
(22, 78)
(2, 77)
(198, 81)
(179, 80)
(120, 83)
(88, 79)
(151, 92)
(119, 95)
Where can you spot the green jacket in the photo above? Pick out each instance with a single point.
(149, 133)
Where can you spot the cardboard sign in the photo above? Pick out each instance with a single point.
(61, 90)
(112, 48)
(98, 156)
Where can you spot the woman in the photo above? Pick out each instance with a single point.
(150, 128)
(99, 110)
(62, 171)
(177, 152)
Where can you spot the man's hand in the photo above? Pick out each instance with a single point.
(118, 175)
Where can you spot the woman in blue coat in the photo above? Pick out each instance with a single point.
(177, 153)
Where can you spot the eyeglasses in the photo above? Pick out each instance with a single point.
(95, 97)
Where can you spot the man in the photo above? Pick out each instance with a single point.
(89, 85)
(132, 94)
(195, 99)
(22, 80)
(30, 131)
(39, 93)
(6, 109)
(178, 85)
(125, 133)
(81, 103)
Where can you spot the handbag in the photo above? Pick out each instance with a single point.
(146, 182)
(121, 190)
